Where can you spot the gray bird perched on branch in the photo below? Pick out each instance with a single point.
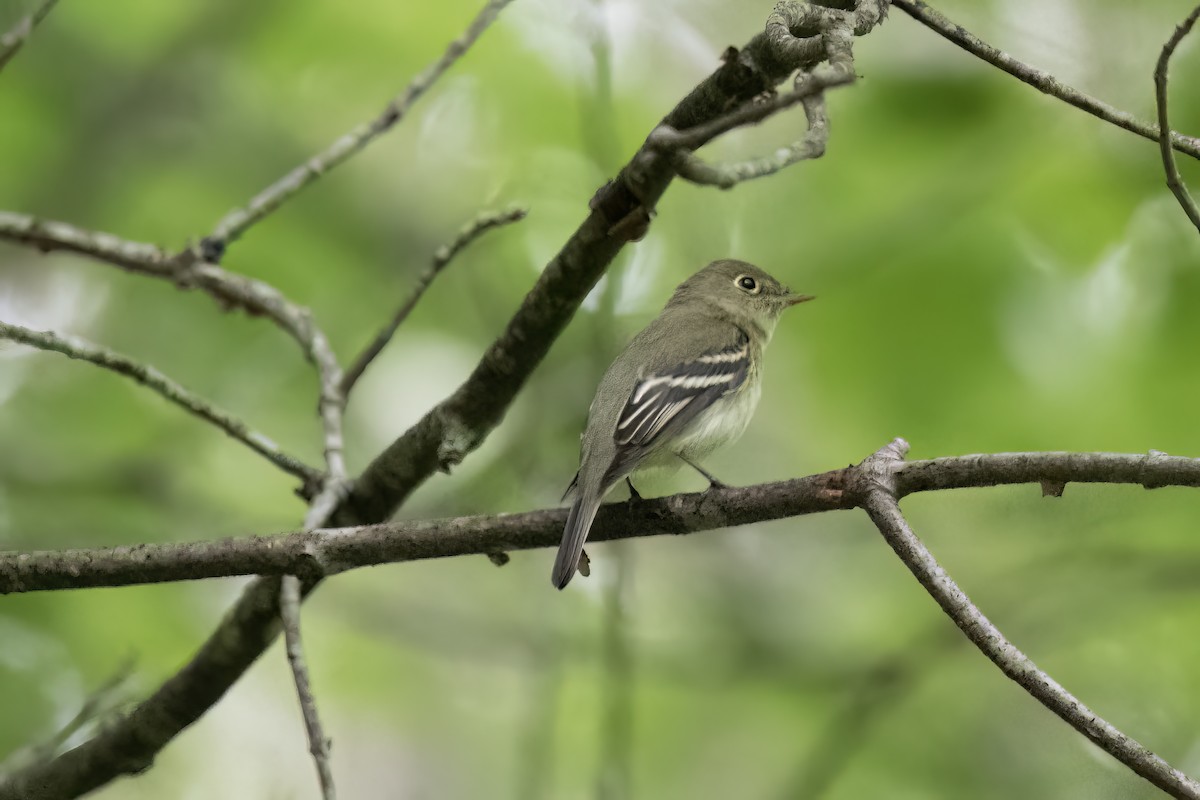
(687, 384)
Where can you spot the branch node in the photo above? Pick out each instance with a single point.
(1152, 459)
(1052, 488)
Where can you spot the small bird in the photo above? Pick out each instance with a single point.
(687, 384)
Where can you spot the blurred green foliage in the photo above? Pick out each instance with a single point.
(996, 272)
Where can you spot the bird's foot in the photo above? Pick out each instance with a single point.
(633, 493)
(713, 482)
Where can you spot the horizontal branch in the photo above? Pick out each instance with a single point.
(151, 378)
(236, 222)
(319, 553)
(1039, 79)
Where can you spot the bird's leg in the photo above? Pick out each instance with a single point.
(633, 493)
(713, 483)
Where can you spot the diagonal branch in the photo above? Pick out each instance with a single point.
(1039, 79)
(318, 744)
(881, 504)
(441, 259)
(236, 222)
(1178, 188)
(11, 42)
(319, 553)
(151, 378)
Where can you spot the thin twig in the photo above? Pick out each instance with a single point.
(47, 235)
(318, 744)
(11, 42)
(483, 223)
(836, 40)
(1178, 187)
(313, 554)
(1039, 79)
(228, 289)
(725, 176)
(148, 376)
(236, 222)
(881, 504)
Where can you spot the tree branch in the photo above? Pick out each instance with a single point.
(1039, 79)
(835, 29)
(229, 289)
(151, 378)
(881, 504)
(318, 744)
(320, 553)
(236, 222)
(441, 259)
(12, 41)
(1178, 188)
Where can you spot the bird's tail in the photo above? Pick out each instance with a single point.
(579, 522)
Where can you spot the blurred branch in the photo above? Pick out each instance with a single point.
(880, 500)
(103, 701)
(536, 747)
(1178, 188)
(318, 744)
(483, 223)
(619, 213)
(12, 41)
(236, 222)
(319, 553)
(1042, 81)
(151, 378)
(614, 781)
(869, 696)
(229, 289)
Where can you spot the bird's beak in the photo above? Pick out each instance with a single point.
(792, 299)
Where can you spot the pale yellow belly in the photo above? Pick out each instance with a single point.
(720, 424)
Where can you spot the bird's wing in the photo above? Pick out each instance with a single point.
(668, 399)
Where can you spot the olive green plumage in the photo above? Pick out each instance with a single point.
(687, 384)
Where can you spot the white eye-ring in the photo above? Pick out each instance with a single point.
(747, 284)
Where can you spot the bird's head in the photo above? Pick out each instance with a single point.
(741, 292)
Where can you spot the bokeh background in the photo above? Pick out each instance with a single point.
(996, 272)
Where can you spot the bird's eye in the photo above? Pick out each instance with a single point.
(747, 283)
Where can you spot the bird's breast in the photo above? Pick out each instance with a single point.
(721, 423)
